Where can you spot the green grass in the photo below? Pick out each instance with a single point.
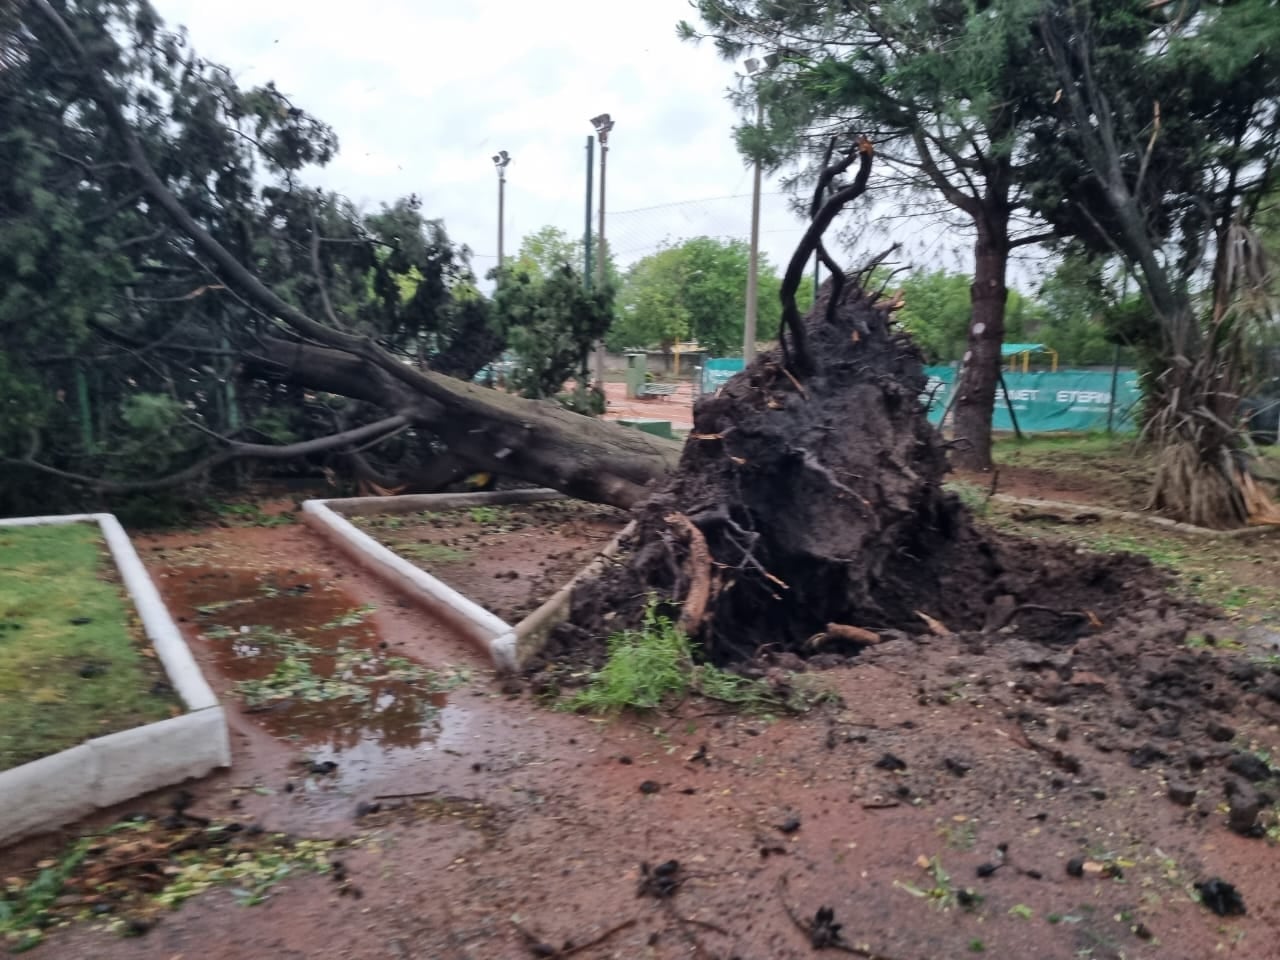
(654, 665)
(971, 495)
(485, 516)
(1048, 449)
(429, 552)
(62, 683)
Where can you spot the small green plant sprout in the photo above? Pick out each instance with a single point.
(941, 894)
(647, 667)
(486, 516)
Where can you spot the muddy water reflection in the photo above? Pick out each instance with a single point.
(306, 661)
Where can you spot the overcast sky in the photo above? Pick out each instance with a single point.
(422, 93)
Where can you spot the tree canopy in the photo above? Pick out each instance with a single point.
(121, 343)
(941, 90)
(696, 290)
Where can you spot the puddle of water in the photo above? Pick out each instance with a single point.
(306, 661)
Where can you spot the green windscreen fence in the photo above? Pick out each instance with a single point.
(1077, 401)
(716, 373)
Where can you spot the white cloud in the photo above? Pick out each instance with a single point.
(421, 93)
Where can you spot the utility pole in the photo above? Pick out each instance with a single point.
(753, 265)
(603, 124)
(586, 231)
(500, 161)
(755, 69)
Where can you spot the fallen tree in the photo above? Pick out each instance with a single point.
(538, 441)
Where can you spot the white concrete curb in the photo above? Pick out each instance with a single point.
(508, 646)
(533, 630)
(495, 635)
(104, 771)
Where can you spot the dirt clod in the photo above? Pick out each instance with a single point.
(660, 882)
(1181, 793)
(1250, 766)
(1244, 805)
(1221, 897)
(890, 762)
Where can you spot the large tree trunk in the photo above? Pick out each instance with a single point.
(536, 440)
(980, 371)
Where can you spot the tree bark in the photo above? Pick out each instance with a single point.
(976, 391)
(536, 440)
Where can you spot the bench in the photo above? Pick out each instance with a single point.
(662, 390)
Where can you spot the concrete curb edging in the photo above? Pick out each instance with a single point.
(1240, 533)
(65, 786)
(533, 630)
(493, 634)
(509, 647)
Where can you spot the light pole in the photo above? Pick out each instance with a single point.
(754, 69)
(500, 161)
(603, 124)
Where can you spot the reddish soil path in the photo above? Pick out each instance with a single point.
(546, 818)
(678, 408)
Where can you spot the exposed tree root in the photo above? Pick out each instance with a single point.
(847, 632)
(698, 572)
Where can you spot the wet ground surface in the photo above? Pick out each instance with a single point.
(939, 803)
(507, 558)
(678, 408)
(337, 688)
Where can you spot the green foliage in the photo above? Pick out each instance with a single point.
(936, 314)
(938, 309)
(1076, 301)
(103, 309)
(549, 249)
(696, 290)
(644, 668)
(550, 324)
(486, 516)
(56, 895)
(23, 908)
(653, 665)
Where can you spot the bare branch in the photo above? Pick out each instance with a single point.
(809, 243)
(325, 302)
(234, 451)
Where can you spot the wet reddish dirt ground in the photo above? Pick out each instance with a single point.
(678, 408)
(931, 765)
(507, 558)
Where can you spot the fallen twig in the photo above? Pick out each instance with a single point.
(406, 796)
(822, 931)
(1062, 760)
(540, 948)
(803, 392)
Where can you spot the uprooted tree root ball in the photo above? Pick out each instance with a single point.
(809, 516)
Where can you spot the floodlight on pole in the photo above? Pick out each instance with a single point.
(602, 123)
(500, 161)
